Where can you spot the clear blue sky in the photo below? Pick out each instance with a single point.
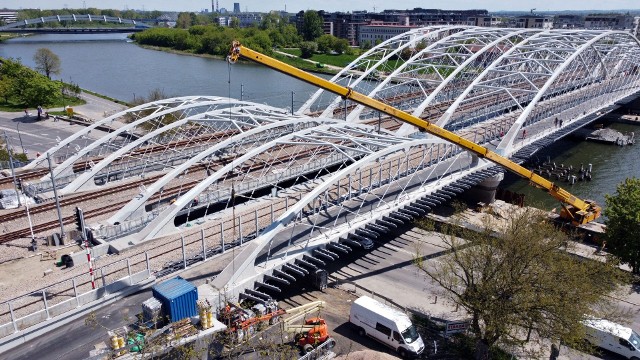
(329, 5)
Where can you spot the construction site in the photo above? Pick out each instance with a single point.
(281, 194)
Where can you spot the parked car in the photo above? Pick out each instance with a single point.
(614, 337)
(387, 325)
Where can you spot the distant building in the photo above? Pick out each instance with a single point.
(568, 21)
(609, 21)
(236, 8)
(8, 17)
(484, 21)
(248, 19)
(350, 25)
(534, 22)
(376, 32)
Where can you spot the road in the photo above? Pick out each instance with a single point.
(35, 135)
(387, 269)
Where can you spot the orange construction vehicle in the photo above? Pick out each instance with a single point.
(313, 332)
(243, 323)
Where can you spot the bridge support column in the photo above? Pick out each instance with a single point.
(485, 191)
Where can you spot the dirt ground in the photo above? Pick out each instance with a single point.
(32, 267)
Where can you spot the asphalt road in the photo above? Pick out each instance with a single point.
(35, 135)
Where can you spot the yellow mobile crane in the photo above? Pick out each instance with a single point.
(573, 209)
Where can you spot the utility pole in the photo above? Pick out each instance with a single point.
(13, 172)
(55, 195)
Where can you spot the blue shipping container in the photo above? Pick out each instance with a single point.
(178, 298)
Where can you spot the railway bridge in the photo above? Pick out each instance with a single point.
(74, 24)
(298, 190)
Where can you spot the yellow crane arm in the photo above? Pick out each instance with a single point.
(579, 211)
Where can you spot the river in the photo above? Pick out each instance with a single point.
(111, 65)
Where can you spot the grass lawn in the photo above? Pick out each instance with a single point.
(335, 60)
(12, 107)
(303, 65)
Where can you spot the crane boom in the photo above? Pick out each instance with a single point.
(574, 209)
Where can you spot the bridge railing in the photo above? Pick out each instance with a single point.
(71, 18)
(53, 301)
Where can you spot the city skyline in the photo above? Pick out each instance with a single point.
(328, 5)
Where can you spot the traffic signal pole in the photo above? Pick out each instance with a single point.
(81, 226)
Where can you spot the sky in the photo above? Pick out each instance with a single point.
(328, 5)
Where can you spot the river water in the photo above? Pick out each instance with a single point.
(111, 65)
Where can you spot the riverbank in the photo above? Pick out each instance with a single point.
(302, 64)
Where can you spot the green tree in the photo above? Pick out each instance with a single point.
(325, 43)
(623, 223)
(234, 23)
(308, 48)
(47, 62)
(184, 20)
(521, 285)
(38, 90)
(341, 46)
(311, 25)
(270, 21)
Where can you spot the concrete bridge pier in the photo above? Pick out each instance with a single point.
(485, 191)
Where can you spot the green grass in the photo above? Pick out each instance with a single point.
(106, 97)
(303, 65)
(330, 59)
(13, 107)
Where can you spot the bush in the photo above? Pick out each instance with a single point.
(308, 48)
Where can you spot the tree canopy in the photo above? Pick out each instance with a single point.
(523, 285)
(623, 223)
(27, 87)
(47, 62)
(311, 25)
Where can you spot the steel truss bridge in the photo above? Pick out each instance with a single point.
(308, 187)
(37, 25)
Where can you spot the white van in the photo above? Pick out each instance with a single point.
(387, 325)
(613, 337)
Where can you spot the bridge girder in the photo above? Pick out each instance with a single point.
(72, 18)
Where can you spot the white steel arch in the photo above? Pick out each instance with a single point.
(110, 120)
(506, 145)
(133, 207)
(164, 222)
(487, 38)
(244, 268)
(183, 109)
(437, 35)
(269, 115)
(375, 58)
